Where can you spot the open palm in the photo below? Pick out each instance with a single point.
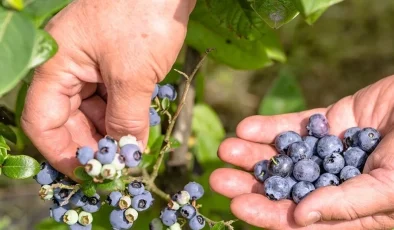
(364, 202)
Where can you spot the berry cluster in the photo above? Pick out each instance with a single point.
(319, 159)
(127, 205)
(167, 92)
(109, 161)
(182, 205)
(73, 209)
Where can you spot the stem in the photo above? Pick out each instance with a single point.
(228, 224)
(167, 145)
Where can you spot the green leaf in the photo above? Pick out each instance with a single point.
(7, 133)
(81, 174)
(20, 167)
(174, 143)
(20, 103)
(205, 120)
(150, 159)
(165, 103)
(312, 18)
(155, 149)
(51, 224)
(230, 49)
(88, 188)
(16, 45)
(206, 147)
(284, 96)
(218, 226)
(111, 185)
(3, 143)
(14, 4)
(275, 12)
(40, 10)
(308, 7)
(45, 48)
(154, 133)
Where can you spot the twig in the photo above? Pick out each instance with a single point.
(76, 188)
(153, 188)
(228, 224)
(167, 145)
(59, 185)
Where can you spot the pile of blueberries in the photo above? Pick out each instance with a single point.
(183, 205)
(319, 159)
(127, 205)
(166, 91)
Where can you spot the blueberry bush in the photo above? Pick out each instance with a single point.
(119, 184)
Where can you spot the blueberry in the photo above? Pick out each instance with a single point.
(368, 139)
(136, 188)
(167, 91)
(79, 199)
(280, 165)
(85, 218)
(129, 139)
(318, 161)
(334, 163)
(141, 202)
(47, 174)
(195, 190)
(84, 154)
(311, 141)
(356, 157)
(285, 139)
(188, 211)
(261, 170)
(70, 217)
(118, 220)
(106, 157)
(113, 198)
(107, 145)
(349, 172)
(155, 92)
(328, 145)
(46, 192)
(181, 197)
(291, 181)
(131, 154)
(118, 162)
(108, 171)
(327, 179)
(301, 190)
(93, 167)
(156, 224)
(78, 226)
(306, 170)
(93, 204)
(276, 188)
(154, 117)
(175, 226)
(168, 216)
(61, 194)
(131, 215)
(197, 223)
(299, 150)
(318, 125)
(350, 136)
(57, 212)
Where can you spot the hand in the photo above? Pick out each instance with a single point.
(111, 54)
(364, 202)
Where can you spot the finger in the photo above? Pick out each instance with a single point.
(94, 108)
(358, 197)
(243, 153)
(257, 210)
(232, 182)
(264, 129)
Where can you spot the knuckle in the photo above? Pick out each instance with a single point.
(118, 127)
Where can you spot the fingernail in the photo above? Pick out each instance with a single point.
(313, 217)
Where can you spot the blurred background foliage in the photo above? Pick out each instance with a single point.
(347, 48)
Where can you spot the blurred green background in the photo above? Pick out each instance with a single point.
(348, 48)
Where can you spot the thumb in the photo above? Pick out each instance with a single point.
(128, 102)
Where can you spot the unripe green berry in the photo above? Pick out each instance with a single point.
(129, 139)
(46, 192)
(108, 171)
(124, 202)
(156, 224)
(131, 215)
(85, 218)
(70, 217)
(118, 162)
(175, 226)
(93, 167)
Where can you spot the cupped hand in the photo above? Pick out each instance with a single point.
(111, 54)
(363, 202)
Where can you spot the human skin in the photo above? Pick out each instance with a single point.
(364, 202)
(111, 54)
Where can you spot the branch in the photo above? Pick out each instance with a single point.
(167, 142)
